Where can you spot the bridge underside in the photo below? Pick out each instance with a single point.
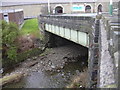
(76, 36)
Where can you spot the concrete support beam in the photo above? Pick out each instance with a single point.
(76, 36)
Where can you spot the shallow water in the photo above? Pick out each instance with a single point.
(48, 79)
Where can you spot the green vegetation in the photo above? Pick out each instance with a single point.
(27, 54)
(21, 57)
(10, 47)
(10, 32)
(30, 27)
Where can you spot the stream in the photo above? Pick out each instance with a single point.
(59, 78)
(47, 79)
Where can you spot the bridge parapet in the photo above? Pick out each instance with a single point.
(81, 23)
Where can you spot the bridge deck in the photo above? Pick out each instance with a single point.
(78, 15)
(74, 27)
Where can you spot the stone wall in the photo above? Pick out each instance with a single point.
(111, 27)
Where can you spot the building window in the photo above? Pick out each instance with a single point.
(88, 9)
(58, 9)
(99, 8)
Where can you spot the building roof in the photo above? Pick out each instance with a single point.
(24, 2)
(10, 10)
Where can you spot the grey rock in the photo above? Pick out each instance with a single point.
(58, 70)
(77, 72)
(61, 67)
(62, 74)
(52, 66)
(28, 59)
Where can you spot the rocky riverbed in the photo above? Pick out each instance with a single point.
(55, 65)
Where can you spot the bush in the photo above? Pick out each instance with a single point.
(10, 32)
(21, 57)
(3, 24)
(27, 54)
(10, 55)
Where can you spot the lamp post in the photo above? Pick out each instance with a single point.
(111, 8)
(71, 5)
(48, 6)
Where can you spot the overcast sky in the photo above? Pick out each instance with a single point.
(51, 0)
(21, 0)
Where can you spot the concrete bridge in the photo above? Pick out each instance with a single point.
(82, 29)
(100, 36)
(69, 26)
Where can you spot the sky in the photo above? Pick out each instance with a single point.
(27, 0)
(47, 0)
(21, 0)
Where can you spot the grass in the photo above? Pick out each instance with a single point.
(30, 27)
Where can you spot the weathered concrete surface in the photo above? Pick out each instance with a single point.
(106, 64)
